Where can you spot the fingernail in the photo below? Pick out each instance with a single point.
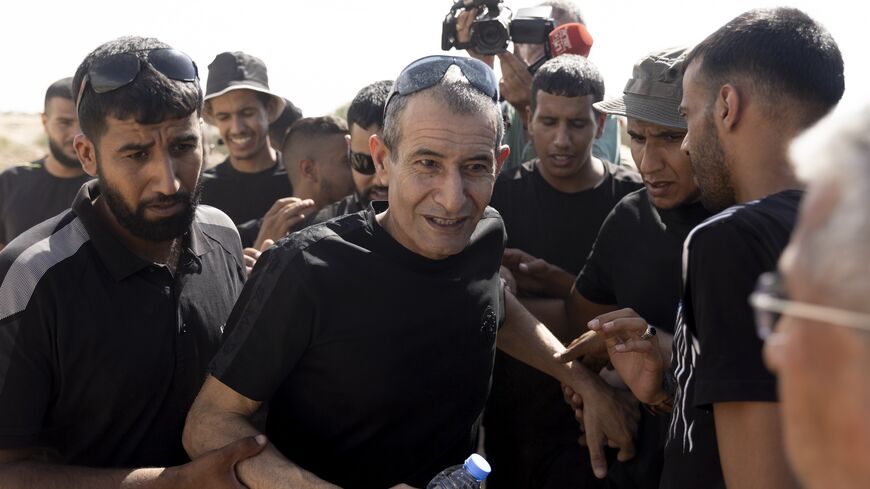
(608, 325)
(619, 347)
(600, 472)
(592, 324)
(261, 439)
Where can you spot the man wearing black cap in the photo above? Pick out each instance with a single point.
(251, 182)
(31, 193)
(109, 312)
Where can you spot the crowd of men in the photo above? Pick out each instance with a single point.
(461, 263)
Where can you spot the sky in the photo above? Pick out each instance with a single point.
(320, 53)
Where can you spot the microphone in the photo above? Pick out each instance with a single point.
(570, 38)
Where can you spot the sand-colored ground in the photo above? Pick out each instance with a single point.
(21, 139)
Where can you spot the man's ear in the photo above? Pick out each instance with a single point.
(381, 157)
(728, 107)
(600, 120)
(528, 116)
(44, 118)
(503, 152)
(308, 170)
(87, 154)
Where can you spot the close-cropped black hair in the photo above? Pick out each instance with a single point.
(150, 98)
(60, 89)
(367, 108)
(568, 75)
(782, 51)
(314, 127)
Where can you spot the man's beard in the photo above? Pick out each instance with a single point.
(711, 171)
(61, 157)
(365, 198)
(135, 222)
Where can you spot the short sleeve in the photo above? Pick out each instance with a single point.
(269, 328)
(26, 375)
(723, 268)
(595, 281)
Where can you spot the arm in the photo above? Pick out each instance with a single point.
(216, 469)
(756, 461)
(528, 340)
(219, 415)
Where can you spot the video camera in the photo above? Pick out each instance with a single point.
(495, 27)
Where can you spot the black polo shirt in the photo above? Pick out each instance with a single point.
(102, 352)
(29, 194)
(245, 197)
(376, 361)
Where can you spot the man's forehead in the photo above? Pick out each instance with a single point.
(130, 127)
(61, 106)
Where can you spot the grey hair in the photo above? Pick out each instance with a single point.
(456, 93)
(835, 153)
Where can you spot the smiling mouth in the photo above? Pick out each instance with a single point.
(240, 140)
(446, 224)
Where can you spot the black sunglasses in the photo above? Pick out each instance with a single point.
(120, 69)
(361, 162)
(427, 72)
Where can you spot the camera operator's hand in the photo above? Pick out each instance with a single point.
(463, 34)
(516, 81)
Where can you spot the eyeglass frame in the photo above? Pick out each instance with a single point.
(766, 304)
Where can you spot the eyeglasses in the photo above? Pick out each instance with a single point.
(120, 69)
(427, 72)
(361, 162)
(770, 301)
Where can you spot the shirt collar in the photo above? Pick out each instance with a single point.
(118, 259)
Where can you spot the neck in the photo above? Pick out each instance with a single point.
(262, 160)
(764, 167)
(58, 169)
(590, 175)
(163, 252)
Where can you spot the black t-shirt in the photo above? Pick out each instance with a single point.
(29, 194)
(637, 259)
(560, 228)
(375, 361)
(102, 352)
(717, 354)
(245, 197)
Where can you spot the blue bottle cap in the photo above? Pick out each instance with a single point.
(477, 466)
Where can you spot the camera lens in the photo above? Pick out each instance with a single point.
(490, 36)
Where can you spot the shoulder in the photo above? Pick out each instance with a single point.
(221, 169)
(216, 223)
(514, 179)
(313, 237)
(623, 175)
(23, 170)
(31, 256)
(768, 217)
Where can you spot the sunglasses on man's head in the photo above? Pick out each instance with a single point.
(427, 72)
(118, 70)
(361, 162)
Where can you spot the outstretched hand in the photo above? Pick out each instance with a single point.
(638, 361)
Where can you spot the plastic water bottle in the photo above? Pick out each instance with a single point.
(466, 476)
